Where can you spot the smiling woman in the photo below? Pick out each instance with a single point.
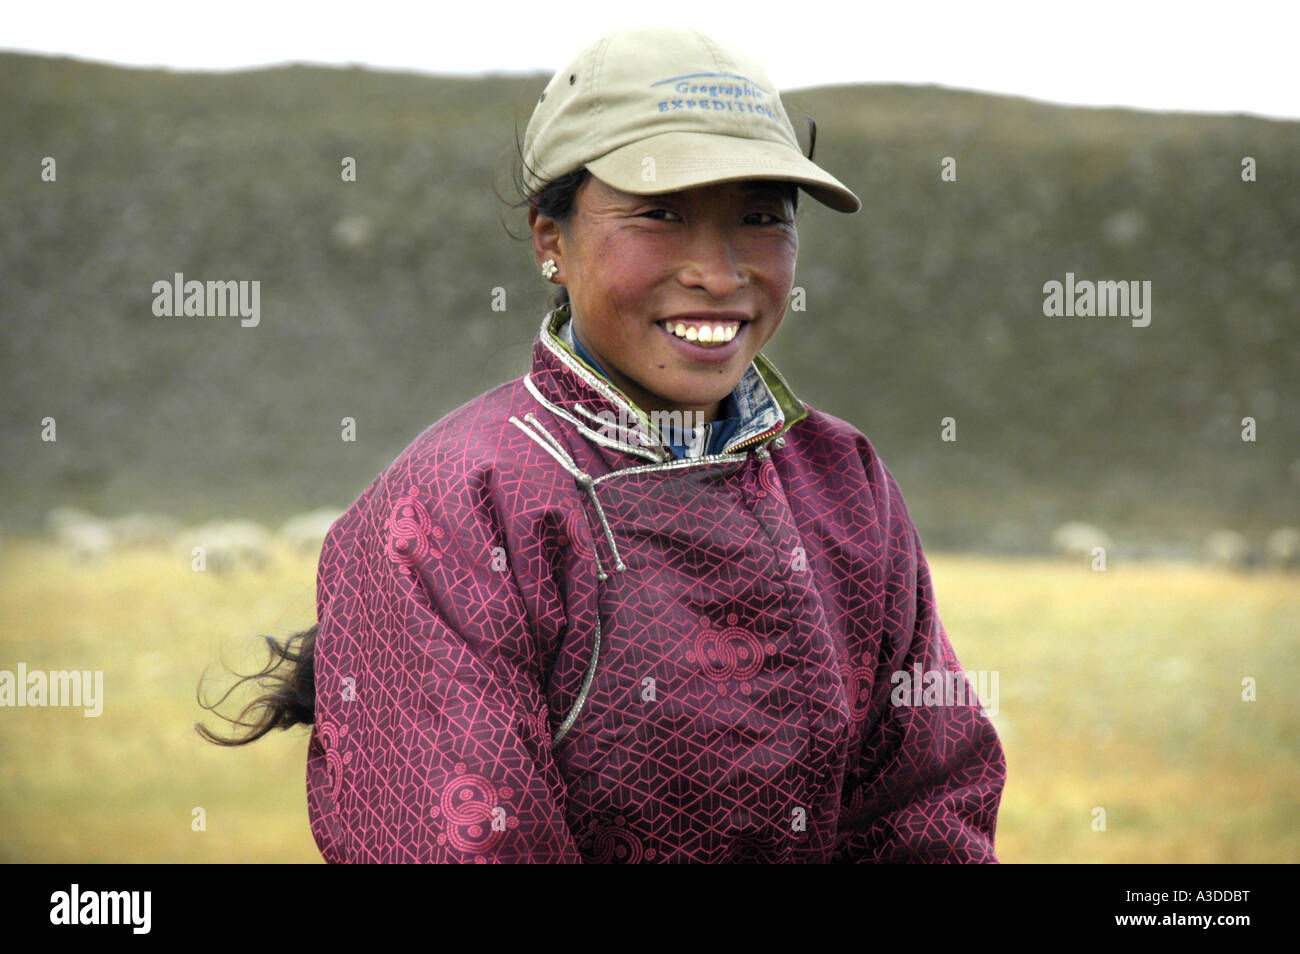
(567, 625)
(674, 294)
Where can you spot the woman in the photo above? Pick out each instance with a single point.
(641, 604)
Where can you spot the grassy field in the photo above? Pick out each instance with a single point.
(1118, 690)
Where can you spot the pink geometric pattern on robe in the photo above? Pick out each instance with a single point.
(740, 709)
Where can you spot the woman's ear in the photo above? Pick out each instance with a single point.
(547, 235)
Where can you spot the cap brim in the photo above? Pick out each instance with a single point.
(685, 160)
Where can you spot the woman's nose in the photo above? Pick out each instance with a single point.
(714, 264)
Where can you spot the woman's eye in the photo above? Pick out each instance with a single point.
(661, 215)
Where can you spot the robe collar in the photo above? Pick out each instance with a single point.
(573, 389)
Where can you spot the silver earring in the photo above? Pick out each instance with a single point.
(549, 268)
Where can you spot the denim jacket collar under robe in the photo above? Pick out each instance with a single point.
(715, 436)
(765, 404)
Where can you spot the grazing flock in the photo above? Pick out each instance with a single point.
(221, 546)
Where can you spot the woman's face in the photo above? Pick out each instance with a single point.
(719, 255)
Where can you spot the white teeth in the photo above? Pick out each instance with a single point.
(716, 335)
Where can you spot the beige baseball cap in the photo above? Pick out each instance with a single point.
(659, 109)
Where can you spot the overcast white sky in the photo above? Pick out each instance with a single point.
(1204, 57)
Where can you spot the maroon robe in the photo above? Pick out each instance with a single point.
(543, 640)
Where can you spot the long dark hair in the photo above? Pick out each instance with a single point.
(288, 679)
(289, 698)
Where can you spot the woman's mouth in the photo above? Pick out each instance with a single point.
(703, 333)
(710, 340)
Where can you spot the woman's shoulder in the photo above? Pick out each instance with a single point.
(464, 455)
(478, 430)
(831, 438)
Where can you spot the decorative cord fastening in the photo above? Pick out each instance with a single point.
(578, 703)
(553, 447)
(761, 451)
(584, 481)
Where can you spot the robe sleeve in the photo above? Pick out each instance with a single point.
(432, 739)
(930, 776)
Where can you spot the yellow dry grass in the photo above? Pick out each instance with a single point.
(1119, 690)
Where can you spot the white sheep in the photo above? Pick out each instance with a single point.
(1283, 546)
(80, 534)
(1077, 539)
(305, 533)
(227, 545)
(142, 529)
(1226, 548)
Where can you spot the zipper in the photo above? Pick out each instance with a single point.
(770, 432)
